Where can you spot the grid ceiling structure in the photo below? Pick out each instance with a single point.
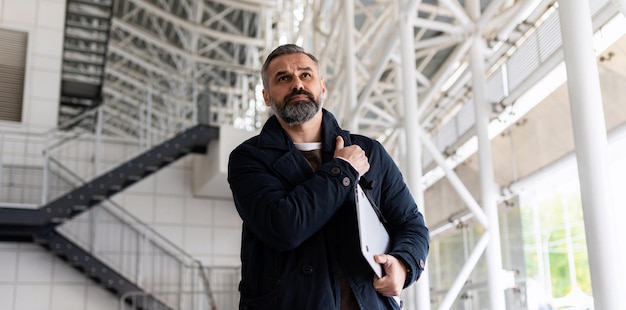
(167, 57)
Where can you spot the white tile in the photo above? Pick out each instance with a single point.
(172, 181)
(62, 272)
(227, 241)
(226, 260)
(141, 206)
(30, 247)
(8, 261)
(23, 11)
(25, 297)
(205, 259)
(169, 210)
(146, 185)
(174, 234)
(198, 211)
(113, 152)
(225, 214)
(198, 240)
(45, 86)
(8, 246)
(48, 42)
(100, 299)
(7, 293)
(51, 14)
(47, 63)
(35, 267)
(68, 297)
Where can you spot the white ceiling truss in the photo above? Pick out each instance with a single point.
(166, 57)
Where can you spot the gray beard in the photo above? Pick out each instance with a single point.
(296, 112)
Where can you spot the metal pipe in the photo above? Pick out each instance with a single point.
(350, 66)
(98, 142)
(590, 140)
(470, 262)
(413, 157)
(454, 180)
(46, 166)
(488, 189)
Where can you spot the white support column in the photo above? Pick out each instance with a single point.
(98, 141)
(350, 66)
(606, 267)
(421, 290)
(488, 188)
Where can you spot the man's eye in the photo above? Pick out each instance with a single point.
(306, 74)
(283, 78)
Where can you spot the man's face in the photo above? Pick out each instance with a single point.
(294, 90)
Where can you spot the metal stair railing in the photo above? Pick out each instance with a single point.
(162, 272)
(156, 266)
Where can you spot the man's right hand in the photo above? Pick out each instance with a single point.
(353, 154)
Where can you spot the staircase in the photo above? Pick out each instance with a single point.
(87, 24)
(44, 225)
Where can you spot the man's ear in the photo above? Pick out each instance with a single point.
(266, 97)
(323, 82)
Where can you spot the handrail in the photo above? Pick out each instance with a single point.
(127, 215)
(207, 284)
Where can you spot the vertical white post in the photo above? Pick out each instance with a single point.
(421, 290)
(46, 167)
(149, 118)
(488, 188)
(98, 142)
(606, 267)
(350, 66)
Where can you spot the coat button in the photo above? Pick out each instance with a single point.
(307, 269)
(346, 181)
(335, 170)
(422, 264)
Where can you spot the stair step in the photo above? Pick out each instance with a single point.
(98, 198)
(80, 208)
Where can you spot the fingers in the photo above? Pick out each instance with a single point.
(353, 154)
(392, 282)
(382, 259)
(338, 143)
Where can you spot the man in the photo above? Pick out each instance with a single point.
(294, 188)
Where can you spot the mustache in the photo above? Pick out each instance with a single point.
(299, 92)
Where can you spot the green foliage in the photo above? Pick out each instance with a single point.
(546, 246)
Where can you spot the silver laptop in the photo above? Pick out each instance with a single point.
(372, 234)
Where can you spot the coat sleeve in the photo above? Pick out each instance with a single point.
(408, 232)
(277, 203)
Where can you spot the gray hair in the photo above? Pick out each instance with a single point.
(285, 49)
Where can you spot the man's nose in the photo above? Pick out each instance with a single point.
(297, 84)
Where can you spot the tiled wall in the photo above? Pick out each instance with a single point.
(32, 279)
(208, 230)
(43, 20)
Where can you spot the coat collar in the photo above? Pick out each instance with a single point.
(274, 136)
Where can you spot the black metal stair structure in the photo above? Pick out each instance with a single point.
(38, 225)
(95, 269)
(87, 26)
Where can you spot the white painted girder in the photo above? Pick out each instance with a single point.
(181, 48)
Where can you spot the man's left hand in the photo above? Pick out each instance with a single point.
(392, 282)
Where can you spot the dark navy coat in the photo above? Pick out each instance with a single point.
(299, 225)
